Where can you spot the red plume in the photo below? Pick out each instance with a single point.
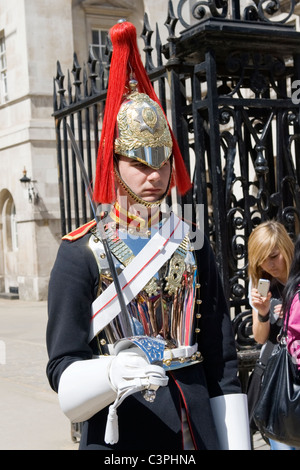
(126, 61)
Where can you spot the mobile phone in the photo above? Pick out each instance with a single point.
(263, 287)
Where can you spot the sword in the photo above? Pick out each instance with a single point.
(123, 315)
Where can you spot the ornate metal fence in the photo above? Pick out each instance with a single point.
(229, 82)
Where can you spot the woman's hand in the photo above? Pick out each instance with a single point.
(278, 312)
(261, 304)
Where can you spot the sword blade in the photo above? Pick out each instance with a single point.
(124, 314)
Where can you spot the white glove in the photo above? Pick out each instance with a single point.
(130, 369)
(85, 388)
(231, 418)
(129, 373)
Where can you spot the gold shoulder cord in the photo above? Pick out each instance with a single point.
(176, 266)
(125, 255)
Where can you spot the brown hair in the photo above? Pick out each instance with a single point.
(262, 241)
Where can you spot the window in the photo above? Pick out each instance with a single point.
(14, 228)
(3, 71)
(98, 45)
(10, 225)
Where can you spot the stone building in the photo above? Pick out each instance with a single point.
(34, 34)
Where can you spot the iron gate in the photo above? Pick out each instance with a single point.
(229, 83)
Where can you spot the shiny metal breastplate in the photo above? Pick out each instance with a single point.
(165, 306)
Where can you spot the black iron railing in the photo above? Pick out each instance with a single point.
(229, 83)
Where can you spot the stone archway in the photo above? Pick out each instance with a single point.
(8, 245)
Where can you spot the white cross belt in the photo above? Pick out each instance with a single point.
(136, 275)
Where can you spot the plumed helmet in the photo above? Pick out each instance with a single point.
(142, 130)
(136, 115)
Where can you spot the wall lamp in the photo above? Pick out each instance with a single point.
(28, 182)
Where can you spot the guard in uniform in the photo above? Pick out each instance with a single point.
(163, 374)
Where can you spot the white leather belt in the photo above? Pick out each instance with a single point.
(174, 358)
(182, 356)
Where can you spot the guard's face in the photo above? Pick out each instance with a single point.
(147, 183)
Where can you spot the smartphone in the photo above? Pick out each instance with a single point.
(263, 287)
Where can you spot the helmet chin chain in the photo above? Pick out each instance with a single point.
(136, 198)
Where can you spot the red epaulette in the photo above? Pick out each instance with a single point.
(80, 232)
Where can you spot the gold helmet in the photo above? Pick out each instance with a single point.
(142, 130)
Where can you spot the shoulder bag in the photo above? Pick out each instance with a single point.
(277, 413)
(256, 380)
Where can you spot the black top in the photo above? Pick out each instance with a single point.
(276, 289)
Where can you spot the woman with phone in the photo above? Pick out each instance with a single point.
(270, 254)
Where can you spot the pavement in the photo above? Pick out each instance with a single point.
(259, 443)
(30, 416)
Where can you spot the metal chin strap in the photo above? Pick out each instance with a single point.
(136, 198)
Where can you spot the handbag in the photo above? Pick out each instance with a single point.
(255, 382)
(277, 413)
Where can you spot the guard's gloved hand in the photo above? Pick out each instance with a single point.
(130, 369)
(130, 372)
(88, 386)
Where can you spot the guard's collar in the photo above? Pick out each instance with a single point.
(124, 218)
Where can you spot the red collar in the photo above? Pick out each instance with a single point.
(123, 217)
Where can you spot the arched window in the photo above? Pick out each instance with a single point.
(9, 223)
(14, 228)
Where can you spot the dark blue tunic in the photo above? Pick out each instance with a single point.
(142, 425)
